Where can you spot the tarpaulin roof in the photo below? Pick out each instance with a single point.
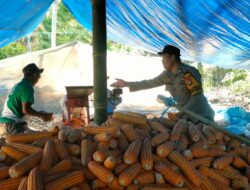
(215, 31)
(20, 17)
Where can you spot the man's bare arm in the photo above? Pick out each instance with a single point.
(28, 110)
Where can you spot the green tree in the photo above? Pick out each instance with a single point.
(13, 49)
(218, 75)
(201, 70)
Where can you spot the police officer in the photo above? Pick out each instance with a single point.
(182, 81)
(19, 103)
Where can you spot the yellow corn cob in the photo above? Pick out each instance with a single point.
(100, 172)
(146, 157)
(128, 175)
(214, 175)
(160, 138)
(87, 149)
(48, 156)
(223, 161)
(95, 130)
(61, 150)
(29, 149)
(206, 161)
(194, 132)
(110, 162)
(145, 178)
(164, 149)
(136, 119)
(66, 182)
(185, 167)
(10, 183)
(14, 153)
(123, 142)
(23, 184)
(131, 154)
(158, 127)
(129, 131)
(27, 138)
(103, 146)
(62, 166)
(178, 129)
(172, 177)
(25, 164)
(35, 180)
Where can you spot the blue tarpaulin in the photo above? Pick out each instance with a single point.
(215, 31)
(19, 18)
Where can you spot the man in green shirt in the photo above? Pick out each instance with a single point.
(182, 81)
(19, 103)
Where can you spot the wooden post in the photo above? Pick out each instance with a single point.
(54, 23)
(99, 59)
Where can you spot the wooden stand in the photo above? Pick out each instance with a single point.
(77, 97)
(76, 103)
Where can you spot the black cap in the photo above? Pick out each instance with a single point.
(31, 69)
(172, 50)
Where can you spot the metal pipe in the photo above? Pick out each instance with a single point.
(99, 32)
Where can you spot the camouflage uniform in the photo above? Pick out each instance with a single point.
(185, 87)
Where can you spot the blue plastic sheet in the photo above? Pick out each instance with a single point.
(213, 31)
(19, 18)
(238, 119)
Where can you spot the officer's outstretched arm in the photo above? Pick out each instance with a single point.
(147, 84)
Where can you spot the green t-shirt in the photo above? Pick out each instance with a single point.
(22, 92)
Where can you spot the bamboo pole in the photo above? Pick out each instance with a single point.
(99, 59)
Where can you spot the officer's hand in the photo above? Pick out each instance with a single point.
(119, 83)
(47, 116)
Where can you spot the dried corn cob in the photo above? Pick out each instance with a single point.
(100, 172)
(172, 177)
(70, 180)
(48, 156)
(27, 138)
(61, 150)
(185, 167)
(131, 154)
(145, 178)
(136, 119)
(25, 164)
(62, 166)
(146, 157)
(128, 175)
(10, 183)
(29, 149)
(23, 184)
(13, 152)
(129, 131)
(35, 179)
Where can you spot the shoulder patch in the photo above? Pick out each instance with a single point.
(194, 86)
